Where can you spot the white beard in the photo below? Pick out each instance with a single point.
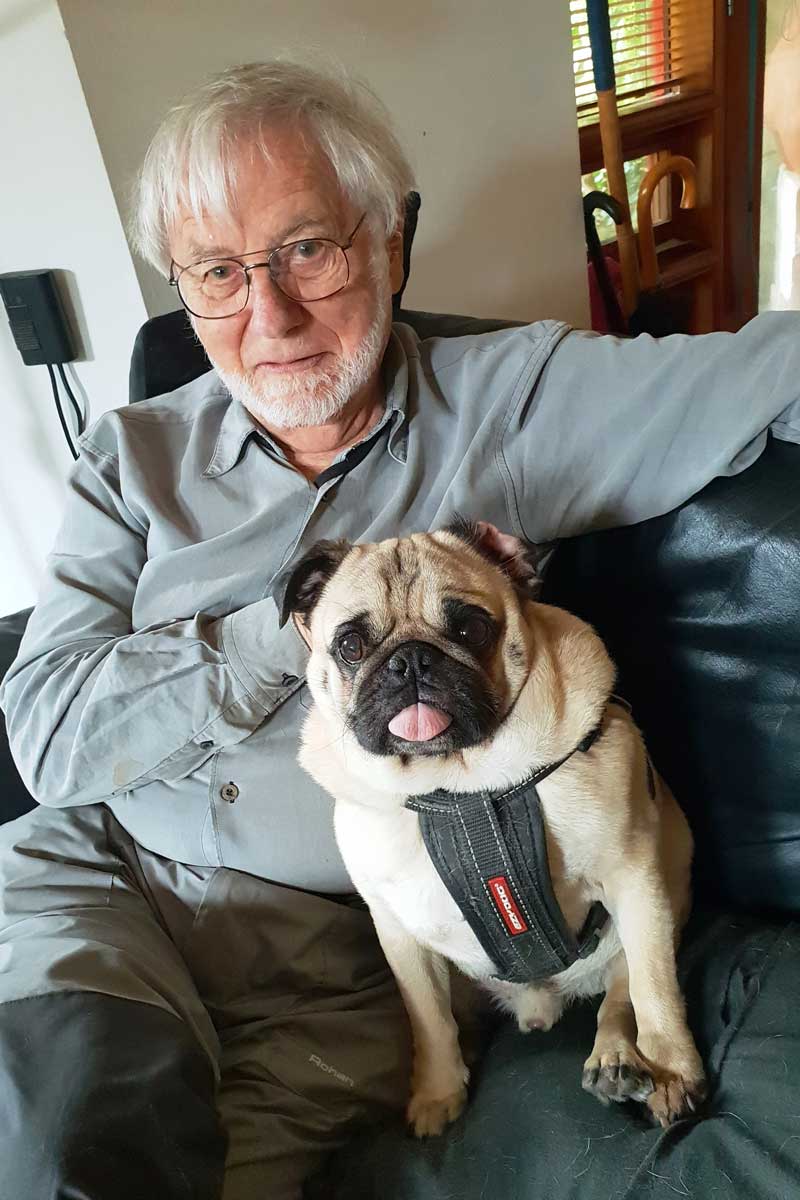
(312, 397)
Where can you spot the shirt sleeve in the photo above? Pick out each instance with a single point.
(615, 430)
(93, 708)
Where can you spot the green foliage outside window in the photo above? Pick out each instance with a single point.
(635, 171)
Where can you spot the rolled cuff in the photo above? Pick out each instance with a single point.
(269, 662)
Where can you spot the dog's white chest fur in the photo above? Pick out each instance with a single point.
(387, 860)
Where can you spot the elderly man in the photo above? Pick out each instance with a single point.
(201, 1001)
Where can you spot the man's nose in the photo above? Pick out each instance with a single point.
(271, 312)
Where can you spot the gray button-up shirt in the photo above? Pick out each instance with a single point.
(153, 675)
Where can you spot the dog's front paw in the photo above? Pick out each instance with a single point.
(674, 1098)
(617, 1074)
(438, 1097)
(680, 1089)
(429, 1115)
(678, 1078)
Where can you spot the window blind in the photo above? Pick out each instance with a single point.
(662, 49)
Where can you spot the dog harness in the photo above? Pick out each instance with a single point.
(491, 853)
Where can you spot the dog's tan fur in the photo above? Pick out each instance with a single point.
(607, 838)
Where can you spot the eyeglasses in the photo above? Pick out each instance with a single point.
(308, 270)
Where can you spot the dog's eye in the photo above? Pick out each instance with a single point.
(474, 630)
(351, 647)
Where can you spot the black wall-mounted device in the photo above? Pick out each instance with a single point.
(36, 316)
(43, 337)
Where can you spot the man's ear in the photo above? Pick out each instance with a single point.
(523, 562)
(299, 587)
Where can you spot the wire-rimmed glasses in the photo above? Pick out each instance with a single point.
(306, 270)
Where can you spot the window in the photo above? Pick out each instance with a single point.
(663, 49)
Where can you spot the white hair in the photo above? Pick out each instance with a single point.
(191, 162)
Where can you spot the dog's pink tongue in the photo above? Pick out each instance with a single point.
(419, 723)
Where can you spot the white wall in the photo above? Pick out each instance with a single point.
(483, 98)
(57, 211)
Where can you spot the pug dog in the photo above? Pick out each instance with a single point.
(432, 667)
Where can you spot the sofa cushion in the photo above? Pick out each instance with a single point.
(701, 611)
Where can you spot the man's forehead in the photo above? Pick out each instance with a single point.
(294, 193)
(213, 238)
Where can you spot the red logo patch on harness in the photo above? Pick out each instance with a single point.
(501, 894)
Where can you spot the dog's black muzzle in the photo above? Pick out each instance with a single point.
(419, 672)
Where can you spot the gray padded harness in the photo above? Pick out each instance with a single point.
(491, 853)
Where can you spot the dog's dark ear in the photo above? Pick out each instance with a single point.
(523, 562)
(299, 587)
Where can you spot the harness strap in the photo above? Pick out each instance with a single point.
(490, 850)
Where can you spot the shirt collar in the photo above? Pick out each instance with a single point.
(238, 426)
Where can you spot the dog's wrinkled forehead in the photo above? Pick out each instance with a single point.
(413, 574)
(408, 580)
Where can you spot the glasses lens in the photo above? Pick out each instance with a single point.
(216, 288)
(310, 270)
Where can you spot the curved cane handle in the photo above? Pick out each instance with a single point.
(674, 163)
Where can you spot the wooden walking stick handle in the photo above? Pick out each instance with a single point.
(682, 166)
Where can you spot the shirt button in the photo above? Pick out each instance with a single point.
(229, 792)
(288, 680)
(206, 745)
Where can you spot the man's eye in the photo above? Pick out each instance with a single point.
(474, 631)
(220, 273)
(351, 647)
(307, 251)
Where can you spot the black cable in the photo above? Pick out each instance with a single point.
(61, 418)
(79, 416)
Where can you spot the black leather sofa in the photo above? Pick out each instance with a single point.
(701, 610)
